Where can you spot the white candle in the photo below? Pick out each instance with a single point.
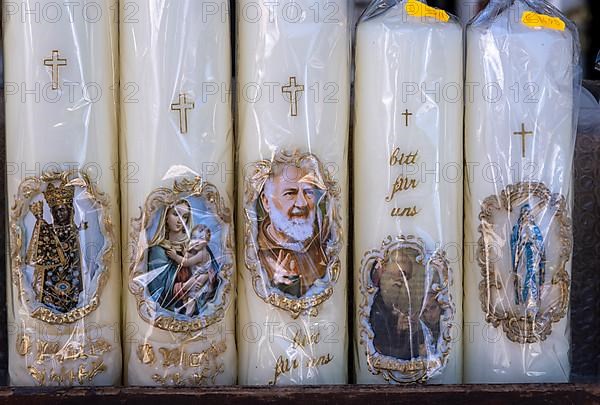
(293, 104)
(519, 146)
(408, 196)
(180, 290)
(64, 282)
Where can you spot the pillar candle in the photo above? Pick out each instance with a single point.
(176, 191)
(293, 107)
(408, 196)
(519, 146)
(64, 278)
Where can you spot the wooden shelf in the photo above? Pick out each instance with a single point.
(347, 394)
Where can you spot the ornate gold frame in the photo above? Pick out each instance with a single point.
(390, 368)
(519, 328)
(29, 188)
(254, 181)
(158, 199)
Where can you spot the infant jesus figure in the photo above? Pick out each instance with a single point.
(197, 274)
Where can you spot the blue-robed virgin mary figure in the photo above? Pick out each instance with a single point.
(173, 235)
(528, 259)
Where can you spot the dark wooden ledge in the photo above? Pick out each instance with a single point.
(346, 394)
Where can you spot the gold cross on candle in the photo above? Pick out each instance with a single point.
(523, 134)
(55, 62)
(407, 115)
(293, 89)
(183, 106)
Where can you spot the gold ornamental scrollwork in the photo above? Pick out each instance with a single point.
(420, 368)
(329, 229)
(161, 199)
(33, 187)
(494, 257)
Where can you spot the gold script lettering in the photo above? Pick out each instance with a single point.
(399, 158)
(320, 361)
(402, 184)
(405, 212)
(171, 357)
(145, 353)
(283, 366)
(302, 340)
(23, 345)
(45, 350)
(68, 376)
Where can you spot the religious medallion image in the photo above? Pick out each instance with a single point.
(293, 231)
(406, 310)
(62, 245)
(525, 244)
(182, 257)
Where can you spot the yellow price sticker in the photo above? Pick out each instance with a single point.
(415, 8)
(535, 20)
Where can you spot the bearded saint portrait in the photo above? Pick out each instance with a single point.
(292, 227)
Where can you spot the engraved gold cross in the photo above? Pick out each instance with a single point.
(407, 115)
(183, 106)
(523, 134)
(55, 62)
(293, 89)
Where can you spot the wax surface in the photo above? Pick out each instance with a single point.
(408, 103)
(314, 50)
(521, 78)
(60, 123)
(176, 53)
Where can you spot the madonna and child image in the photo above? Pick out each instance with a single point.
(295, 228)
(183, 270)
(182, 260)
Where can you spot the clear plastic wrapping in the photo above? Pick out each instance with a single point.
(442, 294)
(176, 183)
(408, 194)
(292, 136)
(522, 83)
(61, 128)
